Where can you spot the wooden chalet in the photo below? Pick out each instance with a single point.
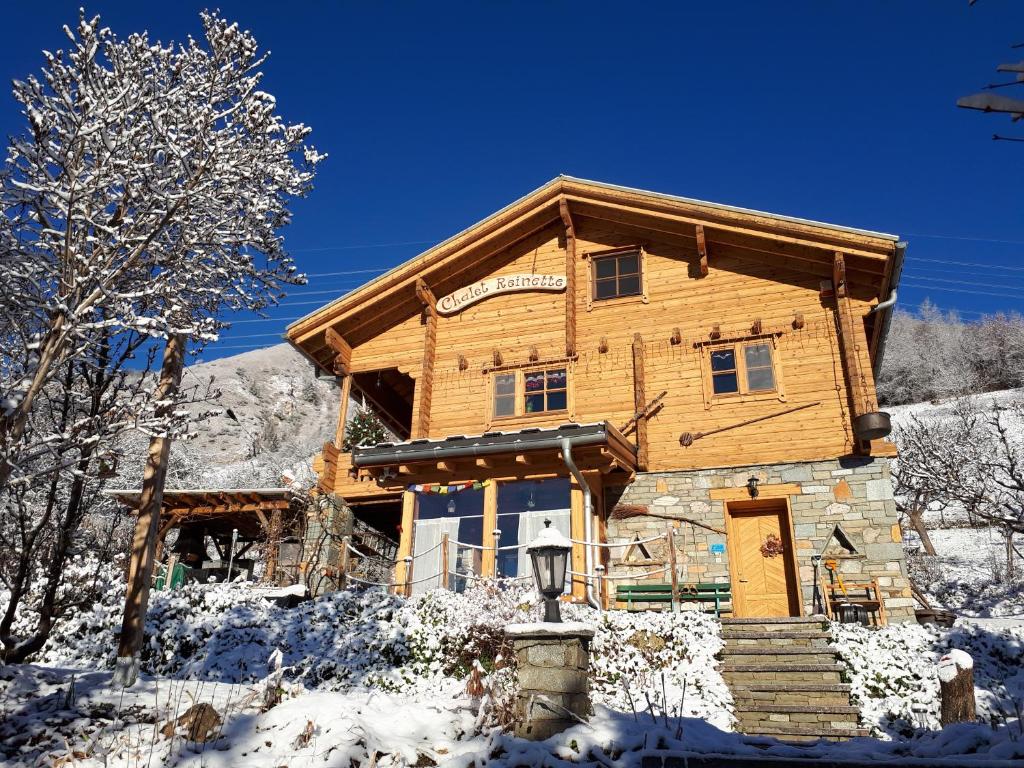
(690, 383)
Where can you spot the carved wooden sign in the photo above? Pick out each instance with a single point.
(495, 286)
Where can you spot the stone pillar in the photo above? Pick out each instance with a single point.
(553, 661)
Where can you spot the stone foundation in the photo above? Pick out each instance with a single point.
(553, 662)
(854, 492)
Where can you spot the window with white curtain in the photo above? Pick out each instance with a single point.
(461, 516)
(522, 509)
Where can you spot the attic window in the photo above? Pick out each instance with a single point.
(617, 274)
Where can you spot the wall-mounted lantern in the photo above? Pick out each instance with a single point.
(550, 555)
(752, 487)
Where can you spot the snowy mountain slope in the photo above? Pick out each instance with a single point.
(282, 417)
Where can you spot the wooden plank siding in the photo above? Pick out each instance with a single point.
(741, 285)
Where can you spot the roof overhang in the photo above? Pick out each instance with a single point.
(803, 243)
(219, 508)
(533, 450)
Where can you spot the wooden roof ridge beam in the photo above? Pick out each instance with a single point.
(719, 217)
(877, 250)
(570, 276)
(702, 251)
(342, 352)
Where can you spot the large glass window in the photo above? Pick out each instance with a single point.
(461, 516)
(522, 509)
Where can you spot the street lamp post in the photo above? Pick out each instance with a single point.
(549, 553)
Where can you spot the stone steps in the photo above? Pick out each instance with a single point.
(813, 694)
(779, 655)
(736, 637)
(785, 732)
(785, 679)
(781, 673)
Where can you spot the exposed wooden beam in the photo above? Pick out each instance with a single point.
(424, 393)
(639, 401)
(342, 351)
(447, 467)
(570, 277)
(346, 394)
(426, 296)
(485, 462)
(851, 341)
(702, 251)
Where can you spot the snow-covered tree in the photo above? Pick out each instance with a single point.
(147, 194)
(931, 354)
(144, 199)
(972, 459)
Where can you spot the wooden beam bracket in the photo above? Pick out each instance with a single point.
(702, 251)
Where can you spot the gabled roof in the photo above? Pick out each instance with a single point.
(870, 256)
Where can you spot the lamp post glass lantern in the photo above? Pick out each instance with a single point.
(549, 553)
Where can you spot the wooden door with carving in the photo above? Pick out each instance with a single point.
(761, 559)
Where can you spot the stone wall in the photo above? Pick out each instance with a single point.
(855, 493)
(552, 669)
(327, 521)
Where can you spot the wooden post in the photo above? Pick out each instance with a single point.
(851, 341)
(670, 542)
(405, 540)
(702, 251)
(639, 402)
(956, 687)
(346, 394)
(140, 569)
(162, 535)
(343, 564)
(444, 561)
(488, 558)
(424, 391)
(570, 277)
(273, 546)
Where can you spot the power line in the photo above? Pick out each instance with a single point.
(965, 239)
(348, 272)
(962, 282)
(359, 247)
(962, 290)
(970, 264)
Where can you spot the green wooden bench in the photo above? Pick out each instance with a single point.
(705, 592)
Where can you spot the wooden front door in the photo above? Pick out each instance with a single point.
(763, 583)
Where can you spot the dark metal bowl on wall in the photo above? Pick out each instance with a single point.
(872, 426)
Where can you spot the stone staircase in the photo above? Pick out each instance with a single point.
(786, 680)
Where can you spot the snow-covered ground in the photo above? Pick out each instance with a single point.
(967, 575)
(367, 678)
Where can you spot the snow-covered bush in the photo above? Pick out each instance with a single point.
(369, 638)
(892, 671)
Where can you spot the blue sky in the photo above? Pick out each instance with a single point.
(437, 114)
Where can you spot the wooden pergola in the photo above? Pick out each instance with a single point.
(258, 514)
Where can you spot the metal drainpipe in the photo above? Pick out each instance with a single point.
(588, 509)
(884, 304)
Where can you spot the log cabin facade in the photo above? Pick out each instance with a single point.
(691, 382)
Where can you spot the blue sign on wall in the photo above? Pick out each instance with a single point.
(718, 549)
